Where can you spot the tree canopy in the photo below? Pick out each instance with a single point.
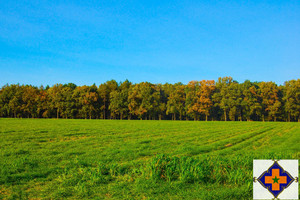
(224, 99)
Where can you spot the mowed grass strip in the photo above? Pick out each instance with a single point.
(80, 159)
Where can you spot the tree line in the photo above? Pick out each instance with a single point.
(224, 99)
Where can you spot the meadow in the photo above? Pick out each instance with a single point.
(137, 159)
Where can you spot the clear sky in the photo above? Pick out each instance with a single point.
(86, 42)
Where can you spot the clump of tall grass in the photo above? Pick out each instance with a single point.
(205, 169)
(79, 179)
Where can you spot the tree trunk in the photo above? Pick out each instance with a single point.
(289, 117)
(274, 119)
(159, 116)
(225, 115)
(121, 116)
(206, 117)
(174, 116)
(57, 112)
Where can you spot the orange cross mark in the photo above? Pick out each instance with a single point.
(275, 175)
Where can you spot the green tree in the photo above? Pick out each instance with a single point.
(292, 99)
(11, 100)
(176, 100)
(161, 99)
(68, 109)
(104, 91)
(86, 100)
(140, 99)
(119, 100)
(192, 105)
(56, 99)
(222, 95)
(235, 98)
(270, 101)
(251, 101)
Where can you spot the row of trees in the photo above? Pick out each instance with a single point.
(225, 100)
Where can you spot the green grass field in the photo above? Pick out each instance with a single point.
(97, 159)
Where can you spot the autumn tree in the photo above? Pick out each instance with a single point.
(43, 107)
(135, 101)
(29, 97)
(204, 97)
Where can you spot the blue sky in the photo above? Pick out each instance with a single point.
(86, 42)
